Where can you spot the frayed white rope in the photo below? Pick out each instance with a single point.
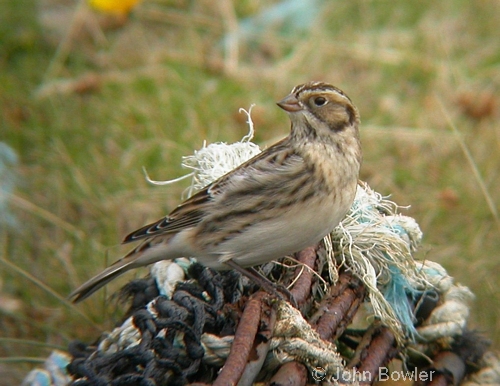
(376, 244)
(168, 182)
(168, 273)
(213, 161)
(295, 339)
(121, 338)
(489, 373)
(450, 317)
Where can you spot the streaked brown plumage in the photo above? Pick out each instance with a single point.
(282, 200)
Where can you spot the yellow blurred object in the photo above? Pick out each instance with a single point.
(121, 7)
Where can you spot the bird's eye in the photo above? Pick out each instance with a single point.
(320, 101)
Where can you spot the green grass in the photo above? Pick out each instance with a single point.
(414, 69)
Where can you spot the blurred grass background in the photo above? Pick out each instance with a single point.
(87, 100)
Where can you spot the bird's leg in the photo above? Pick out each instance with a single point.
(270, 287)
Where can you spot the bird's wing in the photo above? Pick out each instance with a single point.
(193, 210)
(186, 215)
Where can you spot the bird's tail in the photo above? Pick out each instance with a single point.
(110, 273)
(148, 252)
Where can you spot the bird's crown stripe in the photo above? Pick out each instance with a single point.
(317, 86)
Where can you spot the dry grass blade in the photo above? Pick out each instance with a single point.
(49, 290)
(43, 213)
(472, 164)
(64, 48)
(32, 343)
(22, 360)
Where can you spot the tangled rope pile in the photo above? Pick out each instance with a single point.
(362, 300)
(164, 338)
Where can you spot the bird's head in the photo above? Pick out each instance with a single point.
(321, 110)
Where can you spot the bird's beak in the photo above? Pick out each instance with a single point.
(290, 104)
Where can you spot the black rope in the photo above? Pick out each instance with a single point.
(170, 350)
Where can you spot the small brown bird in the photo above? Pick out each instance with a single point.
(284, 199)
